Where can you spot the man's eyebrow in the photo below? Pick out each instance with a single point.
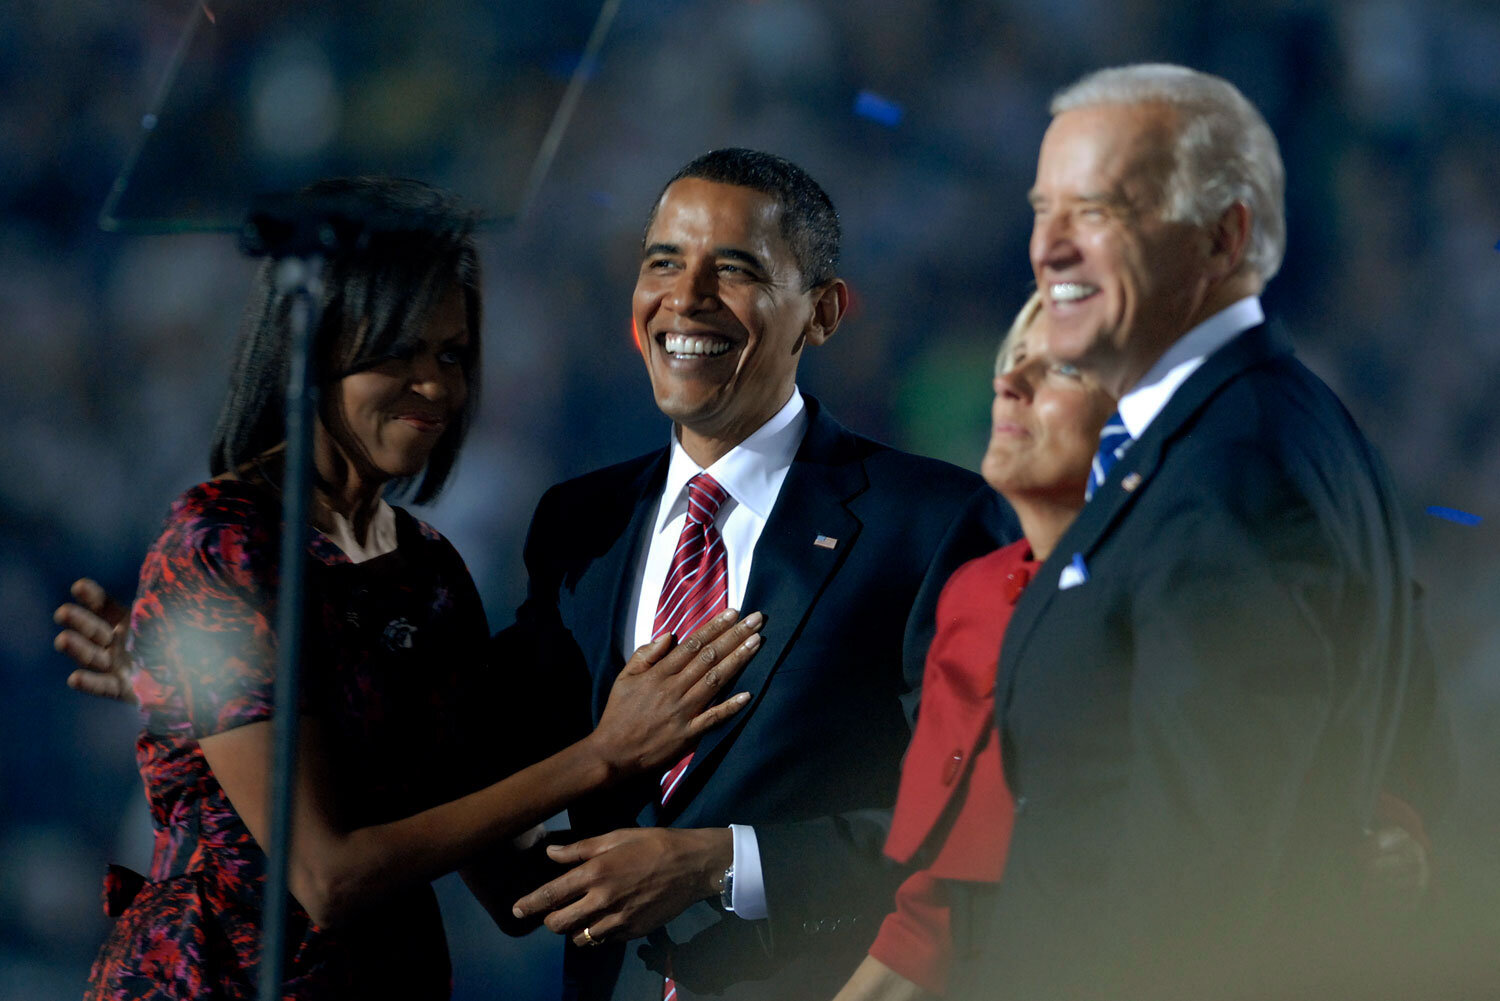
(1113, 199)
(1110, 198)
(743, 256)
(661, 248)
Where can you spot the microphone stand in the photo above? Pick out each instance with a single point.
(299, 232)
(296, 232)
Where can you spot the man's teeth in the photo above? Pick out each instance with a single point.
(1072, 291)
(682, 344)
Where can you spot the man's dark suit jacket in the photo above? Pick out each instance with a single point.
(813, 761)
(1196, 735)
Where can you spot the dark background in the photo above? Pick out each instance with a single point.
(115, 347)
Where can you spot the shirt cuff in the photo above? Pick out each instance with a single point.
(748, 899)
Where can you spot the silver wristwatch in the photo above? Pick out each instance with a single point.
(726, 890)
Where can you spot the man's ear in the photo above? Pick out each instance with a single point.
(1230, 236)
(828, 311)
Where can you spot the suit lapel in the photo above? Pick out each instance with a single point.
(603, 598)
(1110, 503)
(787, 575)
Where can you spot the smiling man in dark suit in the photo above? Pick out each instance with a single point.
(1199, 691)
(843, 544)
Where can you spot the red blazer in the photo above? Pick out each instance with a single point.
(952, 768)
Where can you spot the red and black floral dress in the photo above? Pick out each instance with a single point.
(394, 647)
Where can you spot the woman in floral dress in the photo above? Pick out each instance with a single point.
(401, 771)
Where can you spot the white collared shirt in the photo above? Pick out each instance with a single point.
(1139, 407)
(380, 537)
(751, 474)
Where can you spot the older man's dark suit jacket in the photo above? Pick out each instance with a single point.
(813, 761)
(1197, 733)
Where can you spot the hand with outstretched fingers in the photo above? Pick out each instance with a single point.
(665, 696)
(93, 637)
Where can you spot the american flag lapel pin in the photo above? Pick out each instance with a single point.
(825, 542)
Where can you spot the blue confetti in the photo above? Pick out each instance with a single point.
(563, 65)
(1497, 244)
(603, 199)
(1453, 514)
(148, 122)
(868, 104)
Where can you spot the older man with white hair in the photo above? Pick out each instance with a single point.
(1199, 692)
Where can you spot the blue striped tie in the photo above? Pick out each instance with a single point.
(1114, 440)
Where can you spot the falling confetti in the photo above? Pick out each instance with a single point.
(563, 65)
(868, 104)
(1453, 514)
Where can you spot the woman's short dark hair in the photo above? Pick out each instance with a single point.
(376, 298)
(809, 223)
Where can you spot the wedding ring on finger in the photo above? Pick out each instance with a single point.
(587, 938)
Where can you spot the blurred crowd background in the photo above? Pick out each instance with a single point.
(920, 117)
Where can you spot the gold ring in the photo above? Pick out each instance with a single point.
(587, 938)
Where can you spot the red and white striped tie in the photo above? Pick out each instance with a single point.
(697, 589)
(697, 586)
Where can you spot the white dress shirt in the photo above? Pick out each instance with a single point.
(751, 474)
(1139, 407)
